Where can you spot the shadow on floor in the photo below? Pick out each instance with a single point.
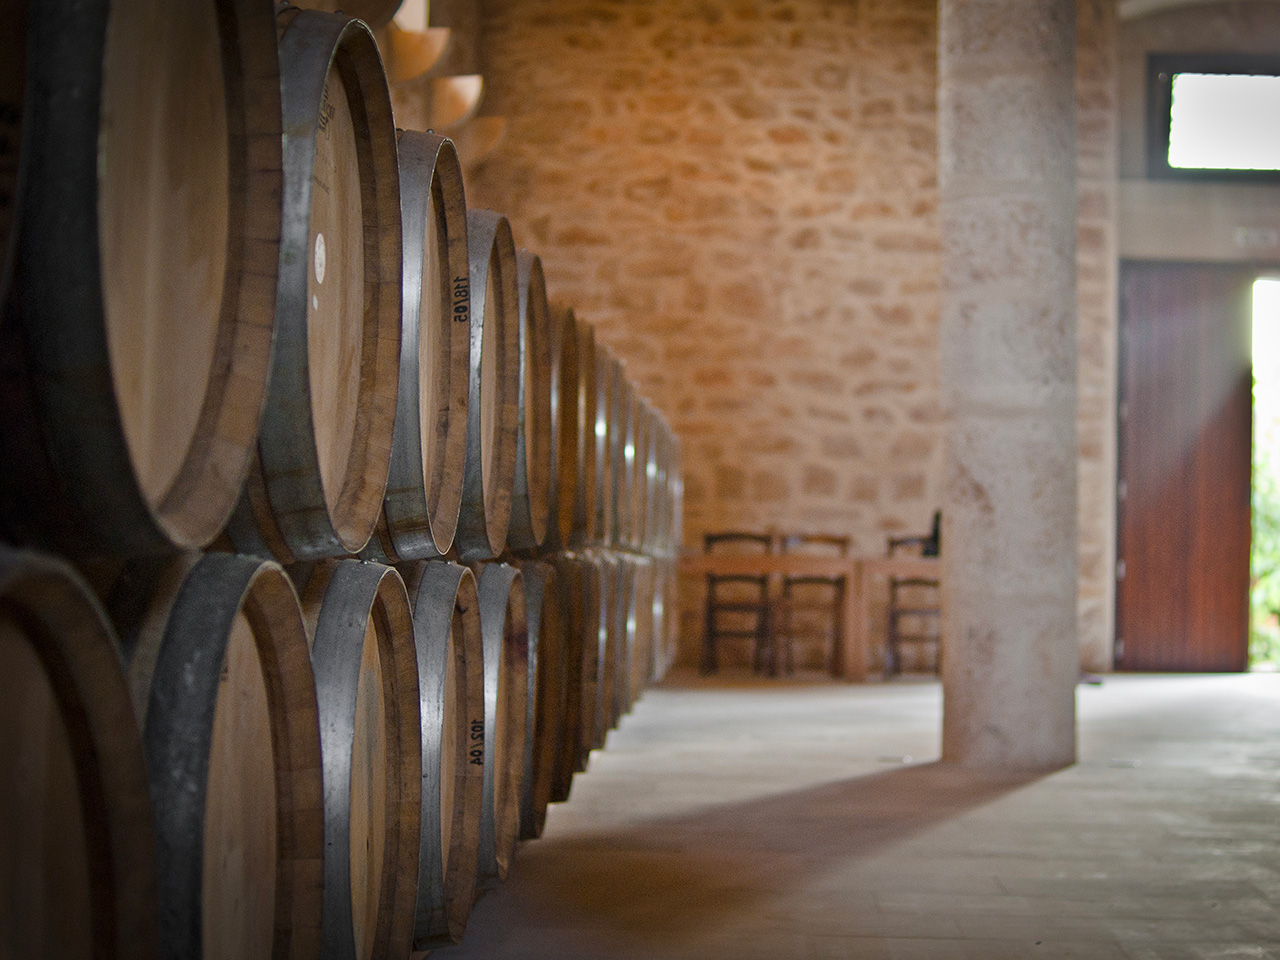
(660, 881)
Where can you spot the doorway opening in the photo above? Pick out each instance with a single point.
(1264, 559)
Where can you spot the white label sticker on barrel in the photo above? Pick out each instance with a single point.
(319, 258)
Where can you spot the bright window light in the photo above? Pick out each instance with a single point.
(1224, 122)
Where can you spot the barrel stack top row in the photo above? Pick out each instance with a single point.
(242, 309)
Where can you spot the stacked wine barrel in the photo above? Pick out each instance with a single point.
(330, 548)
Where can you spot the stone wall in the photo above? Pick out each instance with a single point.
(742, 197)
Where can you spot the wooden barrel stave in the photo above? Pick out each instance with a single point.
(648, 538)
(530, 504)
(602, 441)
(149, 425)
(623, 446)
(325, 440)
(491, 415)
(623, 692)
(424, 485)
(221, 631)
(80, 871)
(609, 565)
(446, 617)
(585, 494)
(677, 498)
(370, 734)
(640, 627)
(504, 626)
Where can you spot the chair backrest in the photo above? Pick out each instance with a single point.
(930, 544)
(816, 543)
(733, 541)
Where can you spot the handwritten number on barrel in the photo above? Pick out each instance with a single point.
(461, 298)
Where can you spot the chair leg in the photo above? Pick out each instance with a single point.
(837, 627)
(775, 638)
(708, 664)
(758, 652)
(789, 647)
(891, 646)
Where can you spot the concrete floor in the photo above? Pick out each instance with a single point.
(810, 822)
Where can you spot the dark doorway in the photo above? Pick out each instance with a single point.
(1182, 600)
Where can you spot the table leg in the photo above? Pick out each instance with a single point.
(853, 662)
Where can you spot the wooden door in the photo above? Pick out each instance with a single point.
(1186, 405)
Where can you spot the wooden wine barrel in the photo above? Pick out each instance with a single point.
(623, 689)
(587, 606)
(572, 588)
(366, 671)
(563, 490)
(666, 611)
(673, 497)
(641, 475)
(504, 626)
(658, 486)
(640, 625)
(586, 493)
(13, 87)
(429, 444)
(677, 497)
(506, 686)
(546, 694)
(132, 413)
(324, 447)
(607, 373)
(530, 504)
(608, 713)
(446, 626)
(78, 877)
(663, 523)
(624, 453)
(494, 388)
(218, 657)
(653, 509)
(659, 610)
(588, 620)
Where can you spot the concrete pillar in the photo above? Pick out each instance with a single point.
(1007, 179)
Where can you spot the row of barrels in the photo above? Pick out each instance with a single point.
(372, 543)
(201, 761)
(244, 308)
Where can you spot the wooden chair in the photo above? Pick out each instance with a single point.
(915, 603)
(740, 599)
(810, 607)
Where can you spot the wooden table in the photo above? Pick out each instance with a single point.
(851, 655)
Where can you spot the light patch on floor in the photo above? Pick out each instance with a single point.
(741, 819)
